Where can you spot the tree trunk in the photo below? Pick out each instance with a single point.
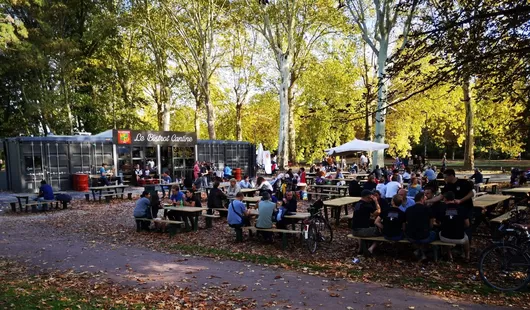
(67, 105)
(239, 130)
(292, 129)
(283, 140)
(368, 120)
(469, 159)
(197, 115)
(380, 116)
(166, 114)
(210, 113)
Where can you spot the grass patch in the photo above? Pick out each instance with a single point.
(29, 294)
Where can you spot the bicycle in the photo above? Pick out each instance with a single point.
(316, 227)
(505, 265)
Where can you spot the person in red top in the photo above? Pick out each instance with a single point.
(302, 175)
(196, 170)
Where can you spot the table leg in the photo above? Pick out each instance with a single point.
(196, 223)
(20, 203)
(94, 194)
(337, 216)
(326, 212)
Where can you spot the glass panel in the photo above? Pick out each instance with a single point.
(29, 162)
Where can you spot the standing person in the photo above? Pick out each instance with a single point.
(103, 174)
(364, 162)
(463, 191)
(392, 188)
(138, 172)
(418, 229)
(265, 208)
(377, 172)
(407, 176)
(444, 162)
(361, 224)
(196, 170)
(392, 220)
(454, 220)
(166, 179)
(142, 209)
(302, 175)
(344, 165)
(227, 171)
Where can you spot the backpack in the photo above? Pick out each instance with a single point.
(63, 197)
(320, 181)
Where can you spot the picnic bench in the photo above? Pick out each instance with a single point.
(173, 226)
(487, 203)
(331, 188)
(100, 189)
(505, 216)
(192, 212)
(363, 248)
(484, 187)
(33, 204)
(337, 204)
(283, 232)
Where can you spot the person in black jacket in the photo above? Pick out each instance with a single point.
(216, 198)
(354, 189)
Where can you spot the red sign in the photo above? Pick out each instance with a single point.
(124, 137)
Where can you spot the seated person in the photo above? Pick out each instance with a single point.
(354, 189)
(216, 198)
(146, 173)
(288, 206)
(45, 193)
(245, 183)
(137, 172)
(437, 207)
(454, 220)
(266, 208)
(103, 174)
(407, 201)
(383, 204)
(263, 186)
(362, 212)
(166, 179)
(177, 199)
(233, 189)
(191, 200)
(392, 221)
(156, 204)
(370, 184)
(381, 187)
(237, 212)
(143, 209)
(414, 187)
(419, 225)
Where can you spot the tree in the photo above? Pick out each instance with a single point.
(198, 24)
(290, 28)
(387, 14)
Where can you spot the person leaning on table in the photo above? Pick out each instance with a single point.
(266, 208)
(143, 209)
(237, 212)
(362, 225)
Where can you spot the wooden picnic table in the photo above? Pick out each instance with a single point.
(100, 189)
(249, 200)
(336, 205)
(338, 188)
(296, 216)
(192, 212)
(248, 191)
(23, 196)
(486, 201)
(521, 194)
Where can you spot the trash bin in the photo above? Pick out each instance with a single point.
(80, 182)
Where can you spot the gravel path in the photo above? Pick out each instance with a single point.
(37, 244)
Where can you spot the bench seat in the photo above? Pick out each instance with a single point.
(283, 232)
(364, 249)
(505, 216)
(174, 226)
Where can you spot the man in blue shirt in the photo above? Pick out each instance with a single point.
(103, 174)
(45, 193)
(237, 212)
(430, 174)
(166, 179)
(227, 172)
(477, 176)
(407, 201)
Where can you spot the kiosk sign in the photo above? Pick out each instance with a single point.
(136, 137)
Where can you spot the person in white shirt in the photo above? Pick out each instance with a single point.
(392, 188)
(381, 187)
(364, 162)
(407, 176)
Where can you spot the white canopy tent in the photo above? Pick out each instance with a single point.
(356, 145)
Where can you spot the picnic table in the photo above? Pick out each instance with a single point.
(520, 193)
(336, 205)
(249, 200)
(100, 189)
(296, 216)
(191, 211)
(487, 204)
(331, 187)
(248, 191)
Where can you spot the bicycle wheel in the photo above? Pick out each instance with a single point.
(324, 231)
(311, 240)
(504, 267)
